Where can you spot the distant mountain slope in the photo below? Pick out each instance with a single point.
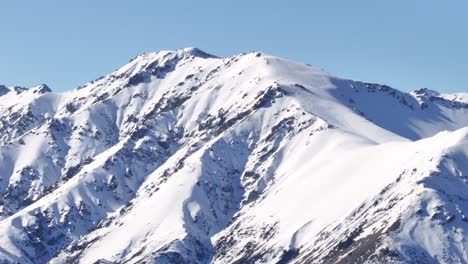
(185, 157)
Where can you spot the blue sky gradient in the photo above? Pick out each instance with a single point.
(405, 44)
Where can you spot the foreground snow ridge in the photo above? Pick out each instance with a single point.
(185, 157)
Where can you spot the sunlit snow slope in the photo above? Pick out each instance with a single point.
(185, 157)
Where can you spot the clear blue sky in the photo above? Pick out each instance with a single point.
(407, 44)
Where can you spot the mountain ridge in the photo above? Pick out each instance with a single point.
(182, 156)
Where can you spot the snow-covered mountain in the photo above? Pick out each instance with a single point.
(185, 157)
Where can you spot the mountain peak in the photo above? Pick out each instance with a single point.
(197, 52)
(40, 89)
(426, 92)
(3, 90)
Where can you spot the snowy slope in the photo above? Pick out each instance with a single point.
(456, 97)
(185, 157)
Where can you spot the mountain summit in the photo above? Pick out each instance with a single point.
(185, 157)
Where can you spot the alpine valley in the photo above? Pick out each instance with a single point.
(185, 157)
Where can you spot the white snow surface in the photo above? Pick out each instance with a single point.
(185, 157)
